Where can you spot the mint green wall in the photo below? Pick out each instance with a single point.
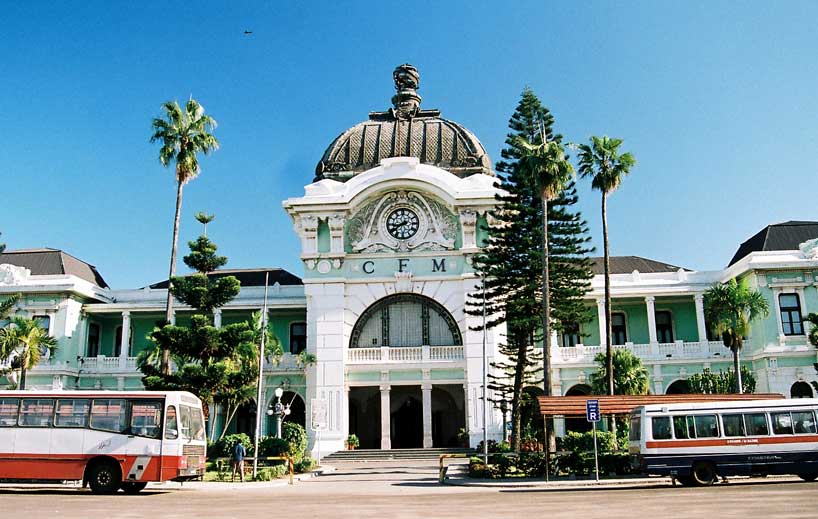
(636, 316)
(280, 320)
(685, 327)
(482, 231)
(323, 236)
(141, 327)
(590, 330)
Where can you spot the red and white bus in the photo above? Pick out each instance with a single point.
(110, 440)
(699, 442)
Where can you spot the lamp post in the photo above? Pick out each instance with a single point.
(485, 372)
(279, 410)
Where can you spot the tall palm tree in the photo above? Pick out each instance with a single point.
(26, 340)
(7, 305)
(606, 167)
(730, 308)
(545, 165)
(631, 374)
(183, 134)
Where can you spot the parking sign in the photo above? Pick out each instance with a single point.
(592, 410)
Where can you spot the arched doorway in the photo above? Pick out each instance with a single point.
(801, 390)
(244, 421)
(448, 415)
(678, 387)
(578, 424)
(407, 417)
(298, 411)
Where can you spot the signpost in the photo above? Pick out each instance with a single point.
(319, 408)
(592, 415)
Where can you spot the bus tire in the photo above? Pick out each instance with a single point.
(133, 487)
(685, 481)
(104, 477)
(808, 476)
(704, 474)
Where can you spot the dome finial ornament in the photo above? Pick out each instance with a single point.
(407, 101)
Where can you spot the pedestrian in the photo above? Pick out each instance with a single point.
(239, 452)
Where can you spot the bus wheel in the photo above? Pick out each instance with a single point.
(104, 477)
(810, 476)
(704, 474)
(686, 481)
(131, 487)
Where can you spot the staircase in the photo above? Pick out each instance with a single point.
(374, 455)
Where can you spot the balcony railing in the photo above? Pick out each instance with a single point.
(404, 354)
(100, 364)
(581, 354)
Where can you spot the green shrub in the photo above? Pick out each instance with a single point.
(305, 465)
(224, 447)
(271, 473)
(272, 446)
(584, 442)
(533, 464)
(296, 437)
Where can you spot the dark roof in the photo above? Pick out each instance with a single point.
(51, 262)
(627, 264)
(779, 236)
(250, 277)
(404, 131)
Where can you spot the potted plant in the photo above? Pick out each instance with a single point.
(352, 442)
(463, 437)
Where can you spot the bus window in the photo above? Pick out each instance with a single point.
(192, 424)
(661, 427)
(146, 416)
(109, 414)
(803, 422)
(756, 424)
(171, 424)
(635, 430)
(72, 413)
(733, 424)
(782, 423)
(680, 427)
(707, 426)
(36, 412)
(8, 411)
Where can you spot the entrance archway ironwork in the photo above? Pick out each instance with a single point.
(401, 320)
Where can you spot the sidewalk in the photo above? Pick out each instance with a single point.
(561, 483)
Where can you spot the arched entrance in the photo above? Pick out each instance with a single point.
(678, 387)
(244, 421)
(801, 390)
(448, 415)
(298, 411)
(405, 320)
(578, 424)
(407, 417)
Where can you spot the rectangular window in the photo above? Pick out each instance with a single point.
(664, 326)
(635, 430)
(803, 422)
(72, 413)
(171, 423)
(619, 332)
(44, 321)
(707, 426)
(93, 340)
(192, 423)
(733, 424)
(298, 338)
(661, 427)
(756, 424)
(146, 418)
(110, 414)
(680, 429)
(570, 335)
(790, 314)
(36, 412)
(8, 411)
(782, 423)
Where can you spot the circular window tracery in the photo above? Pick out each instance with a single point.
(405, 320)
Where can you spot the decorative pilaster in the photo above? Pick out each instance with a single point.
(700, 321)
(386, 418)
(336, 233)
(600, 311)
(426, 390)
(125, 340)
(468, 222)
(649, 302)
(307, 229)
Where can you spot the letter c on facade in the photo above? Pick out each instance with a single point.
(368, 267)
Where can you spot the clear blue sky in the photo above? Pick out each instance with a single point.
(718, 101)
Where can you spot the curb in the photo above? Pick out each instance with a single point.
(561, 484)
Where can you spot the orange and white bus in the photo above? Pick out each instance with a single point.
(110, 440)
(699, 442)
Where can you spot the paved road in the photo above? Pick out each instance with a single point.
(397, 491)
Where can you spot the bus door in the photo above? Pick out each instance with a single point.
(144, 448)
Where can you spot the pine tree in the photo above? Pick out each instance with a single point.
(2, 245)
(219, 365)
(511, 263)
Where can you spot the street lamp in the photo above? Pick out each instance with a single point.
(278, 410)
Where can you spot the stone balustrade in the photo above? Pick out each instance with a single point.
(413, 354)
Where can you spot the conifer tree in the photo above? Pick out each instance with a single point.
(512, 261)
(219, 365)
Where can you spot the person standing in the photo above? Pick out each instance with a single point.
(239, 452)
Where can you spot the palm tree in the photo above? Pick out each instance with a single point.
(27, 340)
(730, 308)
(183, 134)
(813, 332)
(7, 305)
(631, 376)
(602, 162)
(546, 167)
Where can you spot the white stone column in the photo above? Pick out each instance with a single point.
(217, 317)
(600, 311)
(700, 322)
(649, 300)
(426, 389)
(125, 340)
(781, 337)
(386, 417)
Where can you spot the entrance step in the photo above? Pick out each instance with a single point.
(393, 454)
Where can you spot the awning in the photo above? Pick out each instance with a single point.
(624, 404)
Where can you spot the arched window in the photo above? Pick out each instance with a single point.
(801, 390)
(405, 320)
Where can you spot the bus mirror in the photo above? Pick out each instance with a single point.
(171, 434)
